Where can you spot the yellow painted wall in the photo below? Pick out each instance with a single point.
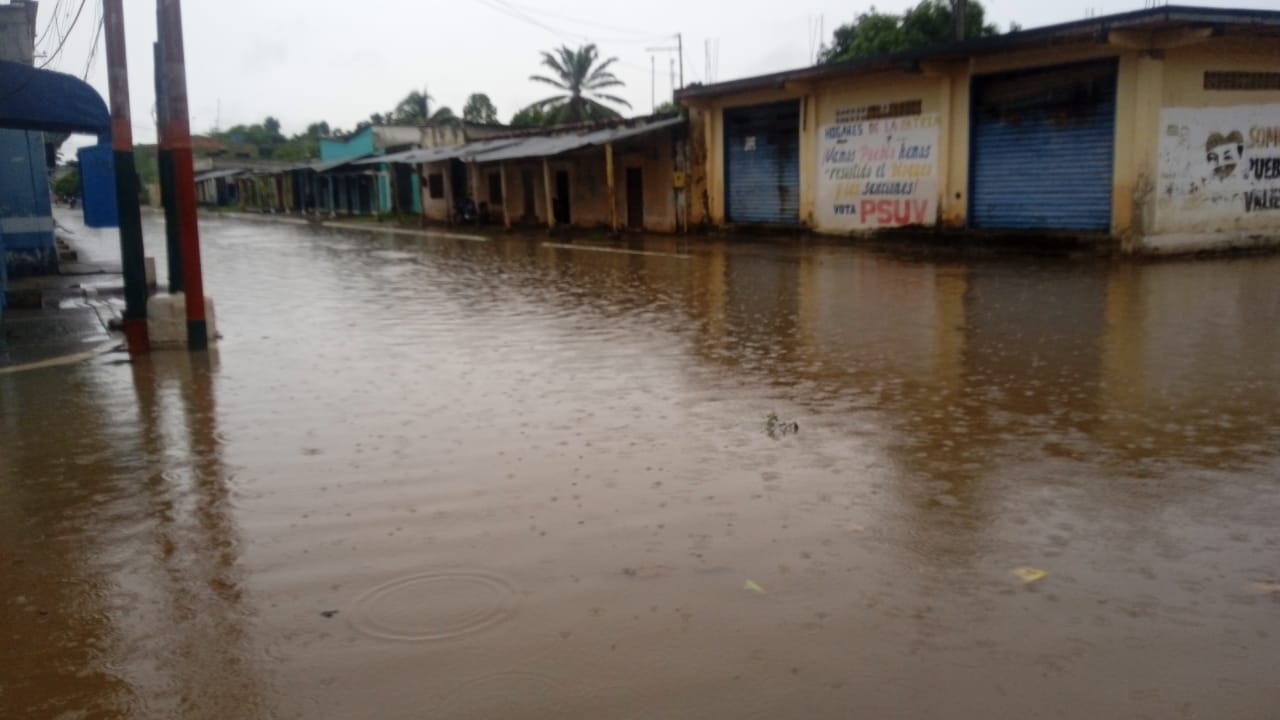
(1185, 67)
(878, 89)
(653, 156)
(712, 115)
(588, 184)
(1167, 228)
(435, 208)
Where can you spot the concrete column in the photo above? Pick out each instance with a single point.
(449, 201)
(506, 197)
(546, 183)
(613, 191)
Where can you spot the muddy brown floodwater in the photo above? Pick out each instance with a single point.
(451, 478)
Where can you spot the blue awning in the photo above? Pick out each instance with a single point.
(35, 99)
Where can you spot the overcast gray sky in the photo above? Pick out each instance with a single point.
(309, 60)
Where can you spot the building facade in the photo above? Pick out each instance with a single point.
(1153, 131)
(26, 210)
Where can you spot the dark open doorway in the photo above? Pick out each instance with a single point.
(561, 204)
(526, 182)
(635, 199)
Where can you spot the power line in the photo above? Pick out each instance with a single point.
(93, 49)
(514, 11)
(63, 42)
(646, 35)
(53, 21)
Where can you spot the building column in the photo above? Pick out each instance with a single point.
(506, 198)
(446, 174)
(546, 184)
(613, 191)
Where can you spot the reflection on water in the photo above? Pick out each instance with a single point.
(442, 478)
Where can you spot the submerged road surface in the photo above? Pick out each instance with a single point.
(450, 478)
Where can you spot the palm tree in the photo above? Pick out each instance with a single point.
(581, 80)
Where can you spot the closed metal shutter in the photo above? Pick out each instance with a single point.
(1042, 144)
(762, 163)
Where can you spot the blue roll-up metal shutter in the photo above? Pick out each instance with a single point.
(1042, 147)
(762, 163)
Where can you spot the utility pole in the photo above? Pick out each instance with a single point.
(178, 135)
(132, 255)
(653, 84)
(959, 13)
(680, 52)
(164, 161)
(678, 48)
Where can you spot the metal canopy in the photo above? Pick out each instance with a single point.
(35, 99)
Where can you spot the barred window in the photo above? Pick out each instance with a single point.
(1241, 80)
(879, 112)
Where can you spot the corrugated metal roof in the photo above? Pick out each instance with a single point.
(547, 145)
(327, 165)
(513, 148)
(216, 174)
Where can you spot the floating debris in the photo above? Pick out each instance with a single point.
(753, 587)
(775, 427)
(1029, 575)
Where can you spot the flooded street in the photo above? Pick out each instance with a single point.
(499, 478)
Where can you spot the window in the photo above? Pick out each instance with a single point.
(435, 185)
(1241, 80)
(495, 188)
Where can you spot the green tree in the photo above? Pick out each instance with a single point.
(271, 127)
(668, 108)
(443, 114)
(530, 117)
(581, 81)
(479, 109)
(929, 23)
(69, 184)
(413, 109)
(318, 130)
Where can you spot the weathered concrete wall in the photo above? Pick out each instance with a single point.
(358, 145)
(876, 154)
(437, 209)
(1164, 118)
(26, 218)
(17, 32)
(1216, 159)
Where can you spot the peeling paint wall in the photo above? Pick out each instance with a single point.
(1206, 189)
(1219, 169)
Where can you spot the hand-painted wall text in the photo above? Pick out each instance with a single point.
(1219, 168)
(877, 173)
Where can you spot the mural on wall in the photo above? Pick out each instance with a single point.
(1219, 166)
(876, 172)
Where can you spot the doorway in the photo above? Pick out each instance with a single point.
(561, 204)
(635, 199)
(526, 184)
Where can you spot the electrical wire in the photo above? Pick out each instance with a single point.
(63, 41)
(97, 39)
(53, 21)
(510, 10)
(640, 34)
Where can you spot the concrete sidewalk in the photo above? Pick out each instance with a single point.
(52, 319)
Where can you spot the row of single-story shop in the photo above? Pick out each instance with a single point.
(1152, 131)
(613, 175)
